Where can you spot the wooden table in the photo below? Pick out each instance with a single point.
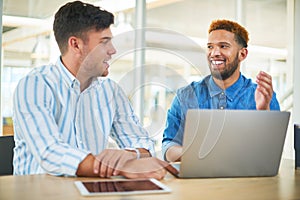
(286, 185)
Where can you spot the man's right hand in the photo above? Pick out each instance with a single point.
(174, 154)
(109, 162)
(150, 167)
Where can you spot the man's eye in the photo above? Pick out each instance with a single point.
(105, 41)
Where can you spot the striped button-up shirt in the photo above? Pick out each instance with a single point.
(56, 125)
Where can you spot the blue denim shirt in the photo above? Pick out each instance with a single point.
(205, 94)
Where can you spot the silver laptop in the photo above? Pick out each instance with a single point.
(233, 143)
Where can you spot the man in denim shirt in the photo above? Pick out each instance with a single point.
(225, 88)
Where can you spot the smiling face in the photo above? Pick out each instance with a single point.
(224, 55)
(97, 50)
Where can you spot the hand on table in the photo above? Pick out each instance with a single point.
(150, 167)
(109, 162)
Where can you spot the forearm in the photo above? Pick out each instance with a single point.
(85, 168)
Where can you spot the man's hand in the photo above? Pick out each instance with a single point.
(264, 91)
(150, 167)
(174, 154)
(109, 162)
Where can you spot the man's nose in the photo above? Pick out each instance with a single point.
(215, 51)
(112, 50)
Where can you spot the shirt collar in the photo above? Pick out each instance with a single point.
(230, 92)
(213, 88)
(69, 78)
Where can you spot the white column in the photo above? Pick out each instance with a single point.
(296, 64)
(240, 12)
(293, 62)
(139, 58)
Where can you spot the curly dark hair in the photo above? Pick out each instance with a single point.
(241, 34)
(75, 19)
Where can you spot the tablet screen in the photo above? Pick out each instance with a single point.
(127, 186)
(120, 186)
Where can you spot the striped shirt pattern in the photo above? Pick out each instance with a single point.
(56, 125)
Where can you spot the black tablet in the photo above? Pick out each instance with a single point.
(121, 187)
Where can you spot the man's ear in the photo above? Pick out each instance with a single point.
(74, 44)
(243, 54)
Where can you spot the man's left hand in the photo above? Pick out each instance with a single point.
(264, 91)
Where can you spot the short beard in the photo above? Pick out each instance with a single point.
(229, 70)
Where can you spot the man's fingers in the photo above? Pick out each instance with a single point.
(264, 82)
(96, 165)
(109, 171)
(264, 79)
(112, 161)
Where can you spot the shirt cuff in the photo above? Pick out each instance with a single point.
(71, 161)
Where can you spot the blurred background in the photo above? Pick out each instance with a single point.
(160, 47)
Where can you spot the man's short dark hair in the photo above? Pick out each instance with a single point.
(75, 19)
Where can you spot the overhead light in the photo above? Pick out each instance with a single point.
(117, 5)
(16, 21)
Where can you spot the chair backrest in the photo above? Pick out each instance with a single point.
(7, 145)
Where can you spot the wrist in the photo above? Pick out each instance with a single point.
(138, 153)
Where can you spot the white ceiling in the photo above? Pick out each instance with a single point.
(265, 19)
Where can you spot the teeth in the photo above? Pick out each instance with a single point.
(217, 62)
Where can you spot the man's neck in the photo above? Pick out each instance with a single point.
(70, 64)
(73, 67)
(224, 84)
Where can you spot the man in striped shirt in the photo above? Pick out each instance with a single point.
(64, 113)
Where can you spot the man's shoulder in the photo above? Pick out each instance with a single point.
(195, 85)
(247, 82)
(191, 91)
(110, 84)
(105, 81)
(41, 71)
